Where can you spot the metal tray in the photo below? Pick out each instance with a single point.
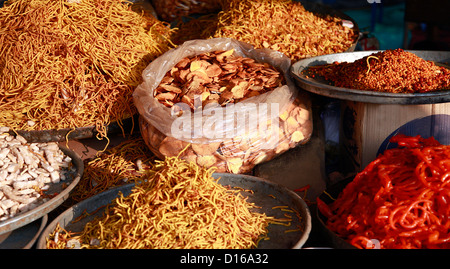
(24, 237)
(321, 87)
(62, 189)
(331, 237)
(261, 196)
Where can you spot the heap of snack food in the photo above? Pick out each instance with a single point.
(395, 71)
(178, 205)
(218, 77)
(71, 64)
(401, 199)
(170, 10)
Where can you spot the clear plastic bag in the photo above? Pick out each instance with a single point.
(233, 138)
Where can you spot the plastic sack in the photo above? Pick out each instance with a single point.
(170, 10)
(232, 138)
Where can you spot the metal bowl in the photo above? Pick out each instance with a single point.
(265, 194)
(323, 10)
(320, 86)
(61, 189)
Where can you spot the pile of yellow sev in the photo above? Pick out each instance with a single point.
(73, 63)
(179, 205)
(282, 25)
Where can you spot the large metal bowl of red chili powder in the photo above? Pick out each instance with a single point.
(318, 85)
